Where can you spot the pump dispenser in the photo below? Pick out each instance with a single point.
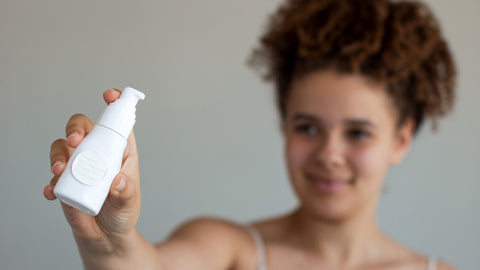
(86, 180)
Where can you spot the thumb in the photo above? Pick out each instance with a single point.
(122, 192)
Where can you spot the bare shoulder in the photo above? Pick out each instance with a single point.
(271, 228)
(445, 266)
(211, 231)
(209, 226)
(407, 258)
(205, 243)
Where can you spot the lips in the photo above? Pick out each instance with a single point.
(327, 179)
(327, 184)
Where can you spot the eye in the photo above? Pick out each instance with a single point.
(358, 134)
(306, 129)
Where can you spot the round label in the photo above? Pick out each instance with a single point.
(89, 167)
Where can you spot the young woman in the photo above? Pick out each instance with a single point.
(354, 81)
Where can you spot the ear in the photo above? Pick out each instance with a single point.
(403, 138)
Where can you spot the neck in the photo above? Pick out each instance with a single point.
(342, 243)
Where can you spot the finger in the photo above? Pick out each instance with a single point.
(111, 95)
(122, 192)
(131, 148)
(54, 181)
(48, 193)
(77, 128)
(59, 154)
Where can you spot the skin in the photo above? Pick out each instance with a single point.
(339, 128)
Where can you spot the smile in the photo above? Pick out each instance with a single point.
(327, 185)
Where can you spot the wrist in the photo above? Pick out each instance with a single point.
(116, 252)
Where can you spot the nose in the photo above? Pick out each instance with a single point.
(329, 152)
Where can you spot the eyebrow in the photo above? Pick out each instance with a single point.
(348, 122)
(304, 116)
(359, 122)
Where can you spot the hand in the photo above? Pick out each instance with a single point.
(119, 214)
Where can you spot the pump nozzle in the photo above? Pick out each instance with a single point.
(131, 96)
(120, 115)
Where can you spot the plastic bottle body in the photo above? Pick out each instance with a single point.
(86, 180)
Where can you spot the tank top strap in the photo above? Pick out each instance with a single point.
(260, 246)
(432, 263)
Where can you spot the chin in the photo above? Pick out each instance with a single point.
(331, 211)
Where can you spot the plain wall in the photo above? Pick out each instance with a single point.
(207, 132)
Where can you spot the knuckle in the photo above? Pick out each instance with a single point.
(78, 123)
(58, 142)
(76, 117)
(74, 120)
(57, 150)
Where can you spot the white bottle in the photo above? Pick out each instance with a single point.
(86, 180)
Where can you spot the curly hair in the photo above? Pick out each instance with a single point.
(397, 43)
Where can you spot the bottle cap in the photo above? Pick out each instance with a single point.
(120, 114)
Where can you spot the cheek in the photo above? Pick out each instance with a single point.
(370, 163)
(296, 155)
(296, 152)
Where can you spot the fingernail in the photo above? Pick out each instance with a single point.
(121, 184)
(56, 163)
(48, 193)
(73, 134)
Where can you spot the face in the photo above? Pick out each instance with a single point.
(341, 137)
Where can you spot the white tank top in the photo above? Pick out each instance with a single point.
(262, 263)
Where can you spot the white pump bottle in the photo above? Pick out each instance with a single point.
(86, 180)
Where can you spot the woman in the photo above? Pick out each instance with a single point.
(354, 81)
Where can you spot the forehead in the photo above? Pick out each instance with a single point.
(334, 97)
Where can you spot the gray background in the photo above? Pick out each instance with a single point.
(207, 131)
